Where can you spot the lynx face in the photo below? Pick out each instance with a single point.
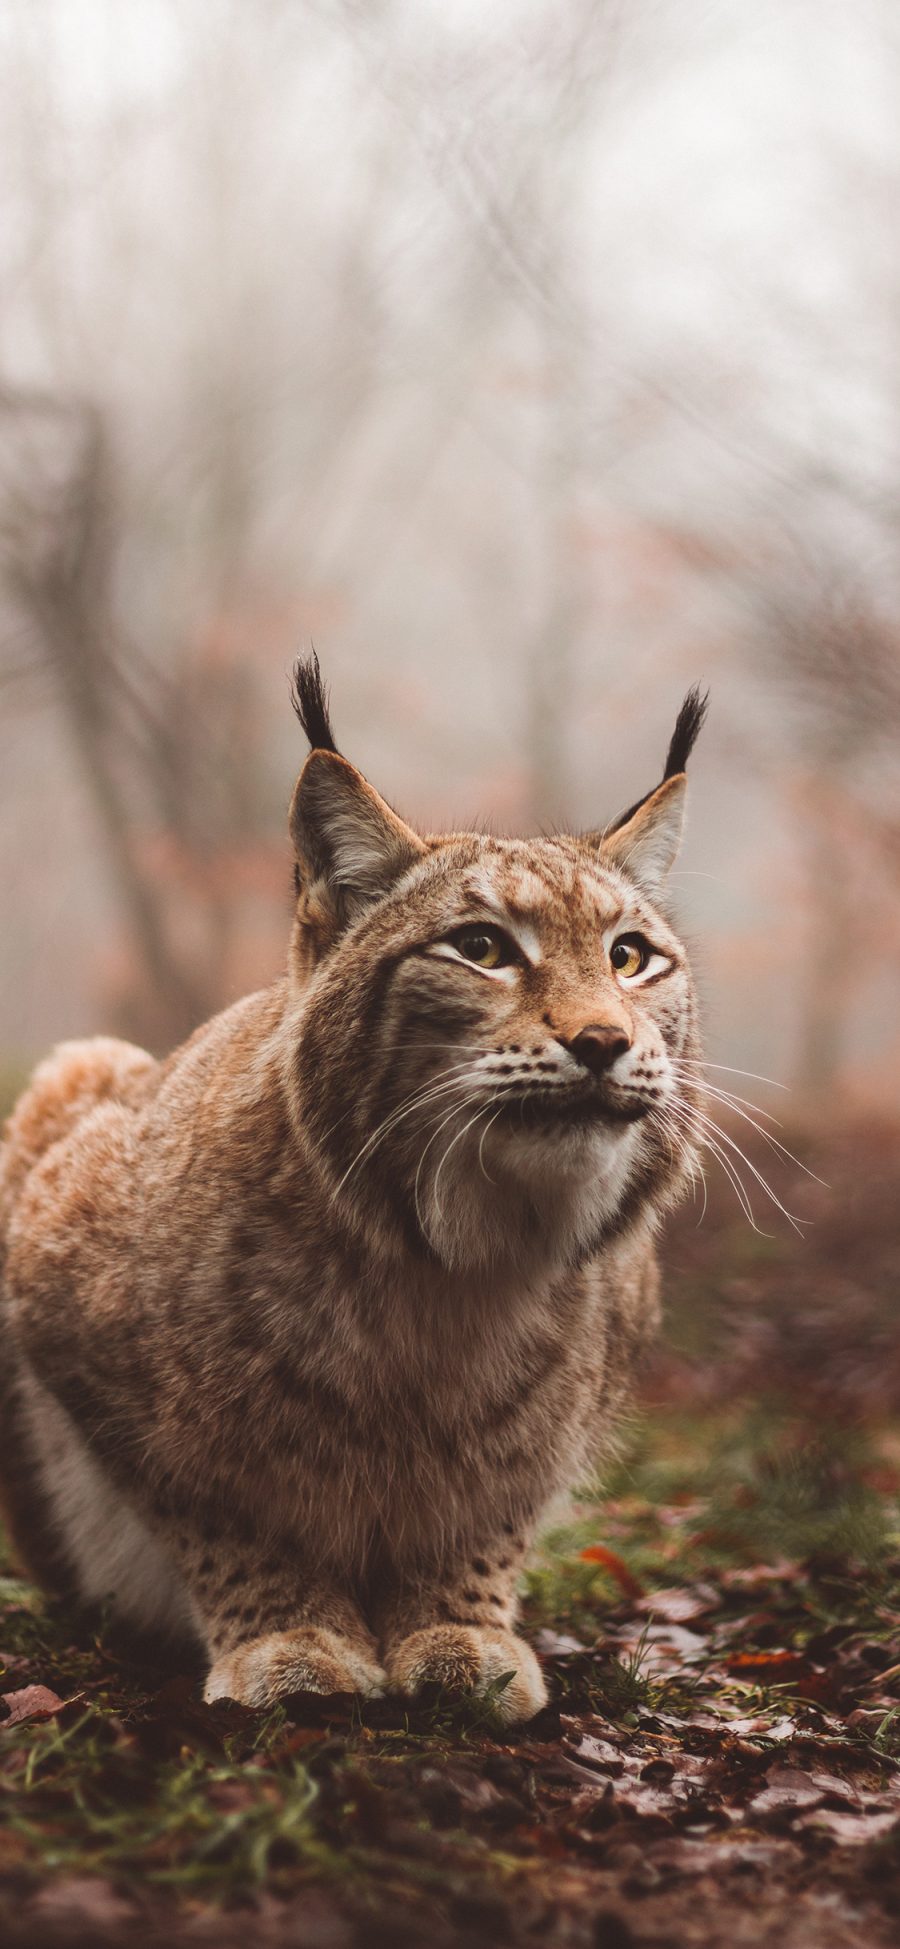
(495, 1038)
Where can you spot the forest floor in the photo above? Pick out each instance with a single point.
(720, 1763)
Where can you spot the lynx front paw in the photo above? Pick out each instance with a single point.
(468, 1658)
(310, 1659)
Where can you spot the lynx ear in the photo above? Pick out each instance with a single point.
(646, 846)
(644, 842)
(345, 837)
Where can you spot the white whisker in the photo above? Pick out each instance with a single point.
(705, 1193)
(425, 1096)
(752, 1073)
(709, 1124)
(774, 1143)
(741, 1106)
(453, 1141)
(736, 1182)
(689, 1071)
(705, 1138)
(440, 1074)
(488, 1126)
(457, 1107)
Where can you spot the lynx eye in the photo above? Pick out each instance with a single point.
(487, 947)
(630, 955)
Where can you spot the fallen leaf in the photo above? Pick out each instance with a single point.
(787, 1664)
(866, 1720)
(788, 1789)
(761, 1728)
(835, 1788)
(852, 1829)
(555, 1644)
(681, 1722)
(687, 1856)
(669, 1646)
(598, 1752)
(596, 1553)
(677, 1606)
(755, 1576)
(79, 1899)
(32, 1702)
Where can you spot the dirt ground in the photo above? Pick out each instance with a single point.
(720, 1763)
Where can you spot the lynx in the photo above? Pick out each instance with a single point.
(306, 1327)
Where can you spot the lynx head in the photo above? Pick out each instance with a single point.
(495, 1037)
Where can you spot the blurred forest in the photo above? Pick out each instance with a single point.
(532, 361)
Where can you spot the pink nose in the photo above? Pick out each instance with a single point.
(598, 1045)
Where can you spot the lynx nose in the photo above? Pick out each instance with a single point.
(598, 1045)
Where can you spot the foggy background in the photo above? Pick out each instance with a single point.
(532, 361)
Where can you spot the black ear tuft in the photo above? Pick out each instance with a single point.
(687, 727)
(310, 700)
(683, 740)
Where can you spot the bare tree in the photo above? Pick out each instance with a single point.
(56, 536)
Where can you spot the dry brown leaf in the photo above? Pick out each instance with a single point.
(32, 1702)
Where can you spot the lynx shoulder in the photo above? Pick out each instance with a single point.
(309, 1324)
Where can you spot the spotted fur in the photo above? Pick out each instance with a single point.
(309, 1325)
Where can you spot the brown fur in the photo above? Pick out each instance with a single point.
(309, 1324)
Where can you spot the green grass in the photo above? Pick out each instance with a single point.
(84, 1796)
(710, 1491)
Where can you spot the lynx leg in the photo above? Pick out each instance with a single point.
(456, 1633)
(266, 1628)
(308, 1658)
(270, 1631)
